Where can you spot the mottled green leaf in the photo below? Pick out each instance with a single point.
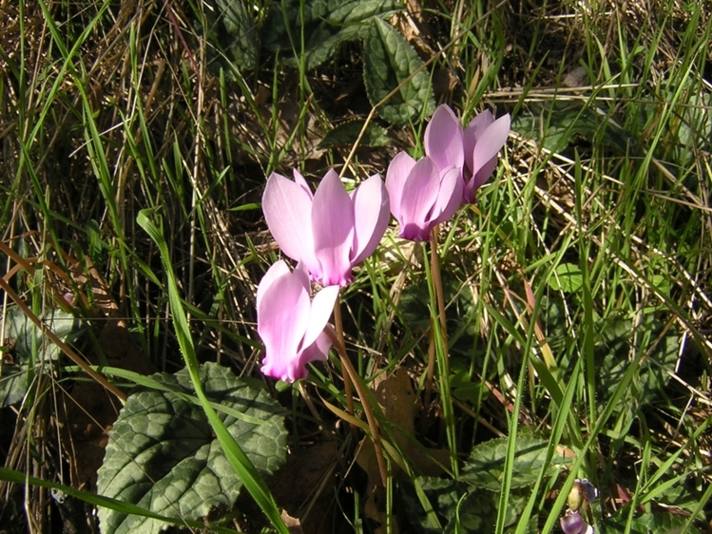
(462, 507)
(485, 466)
(25, 347)
(14, 381)
(324, 44)
(26, 337)
(163, 455)
(390, 63)
(359, 10)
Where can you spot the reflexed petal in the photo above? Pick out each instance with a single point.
(489, 143)
(443, 139)
(332, 225)
(277, 269)
(287, 209)
(371, 215)
(321, 307)
(473, 132)
(398, 170)
(283, 318)
(420, 193)
(450, 196)
(317, 351)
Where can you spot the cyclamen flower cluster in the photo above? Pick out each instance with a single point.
(456, 163)
(331, 231)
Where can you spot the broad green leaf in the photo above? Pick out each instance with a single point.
(14, 381)
(163, 455)
(26, 337)
(567, 278)
(462, 508)
(241, 24)
(485, 467)
(359, 10)
(28, 347)
(326, 25)
(323, 43)
(390, 63)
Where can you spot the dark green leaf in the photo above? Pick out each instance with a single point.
(323, 44)
(485, 467)
(360, 10)
(390, 63)
(163, 455)
(28, 347)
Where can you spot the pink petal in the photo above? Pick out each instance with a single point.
(301, 182)
(443, 139)
(398, 170)
(317, 351)
(473, 132)
(287, 209)
(282, 320)
(420, 193)
(371, 215)
(332, 224)
(490, 142)
(478, 179)
(321, 307)
(277, 270)
(450, 196)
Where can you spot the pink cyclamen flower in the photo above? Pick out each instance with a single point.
(330, 231)
(421, 195)
(290, 323)
(474, 149)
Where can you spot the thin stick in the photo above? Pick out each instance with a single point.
(370, 419)
(339, 326)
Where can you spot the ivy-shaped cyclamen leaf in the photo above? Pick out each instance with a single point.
(485, 467)
(390, 63)
(162, 453)
(29, 347)
(359, 10)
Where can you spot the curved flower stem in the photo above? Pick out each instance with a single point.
(370, 418)
(437, 283)
(339, 327)
(439, 346)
